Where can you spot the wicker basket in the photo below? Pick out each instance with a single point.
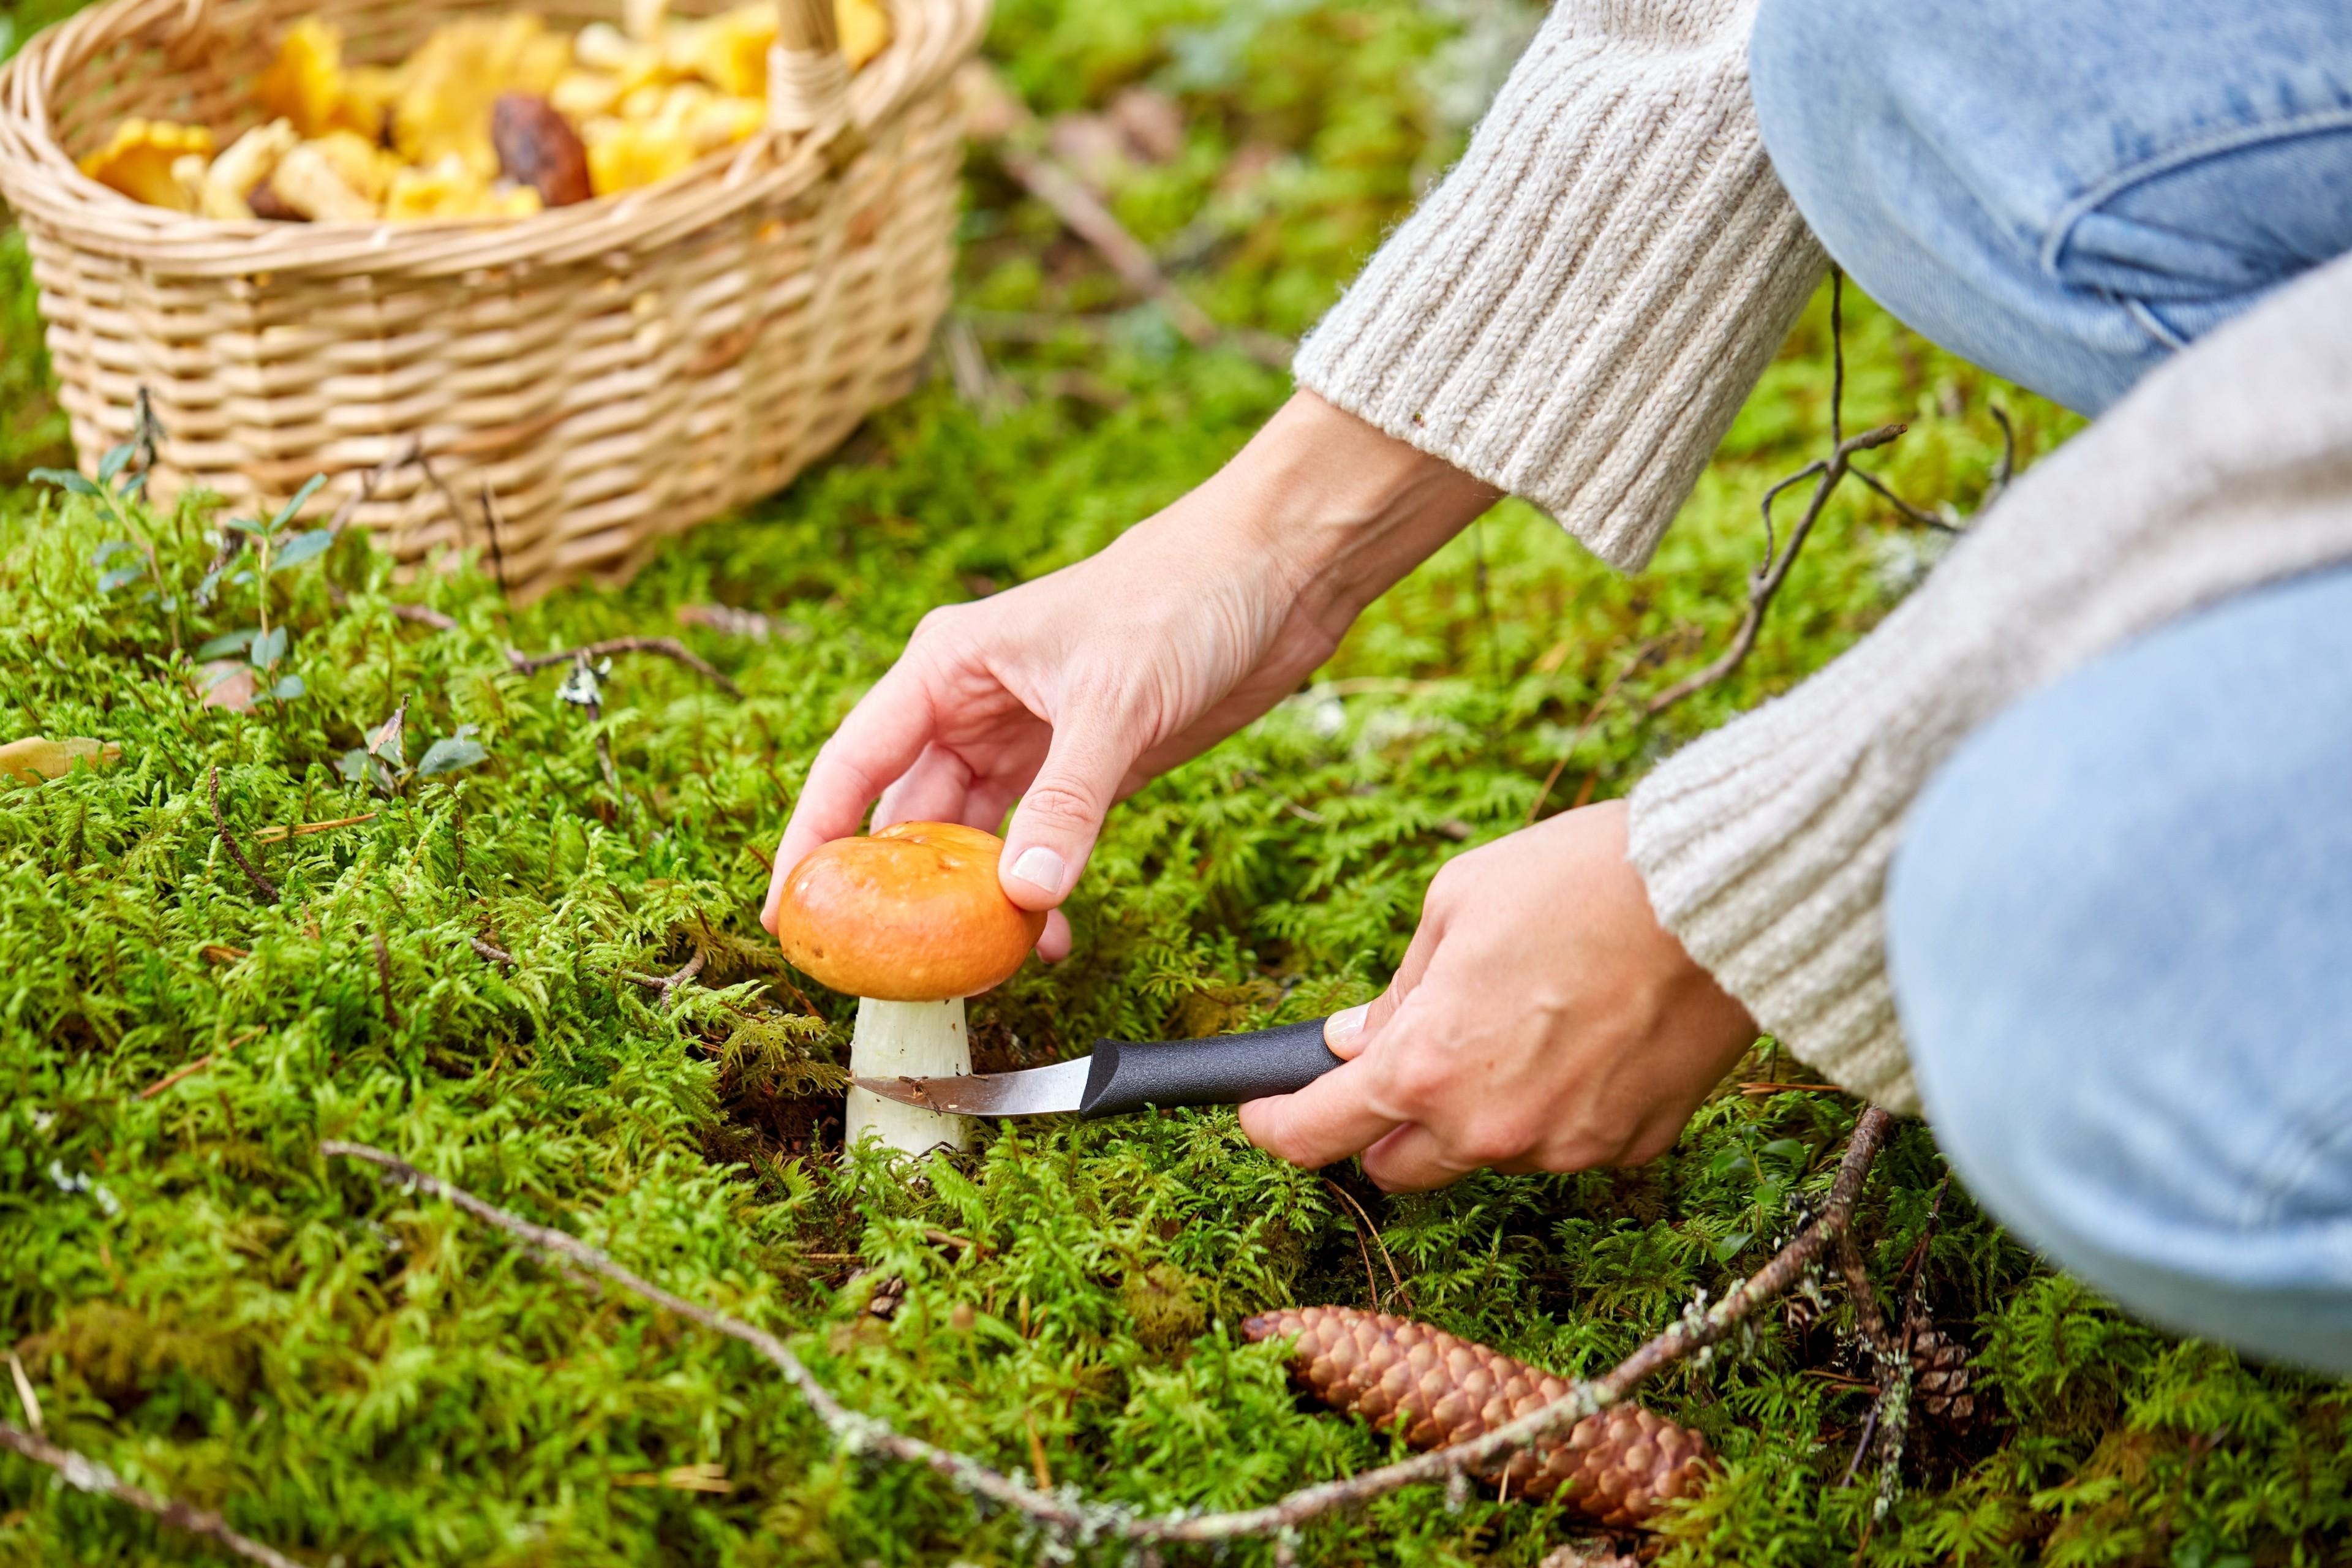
(611, 371)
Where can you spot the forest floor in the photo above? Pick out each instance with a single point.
(199, 1299)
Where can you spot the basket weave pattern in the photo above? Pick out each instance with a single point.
(612, 372)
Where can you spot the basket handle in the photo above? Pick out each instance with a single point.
(808, 81)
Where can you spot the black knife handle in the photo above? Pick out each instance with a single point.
(1224, 1069)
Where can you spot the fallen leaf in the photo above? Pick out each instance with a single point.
(221, 953)
(226, 683)
(36, 757)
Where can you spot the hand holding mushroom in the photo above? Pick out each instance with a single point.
(910, 921)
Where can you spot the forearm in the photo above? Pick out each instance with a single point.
(1335, 510)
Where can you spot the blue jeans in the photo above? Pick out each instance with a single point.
(2064, 191)
(2120, 931)
(2120, 921)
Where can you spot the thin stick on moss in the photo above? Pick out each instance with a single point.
(425, 616)
(1003, 119)
(667, 647)
(85, 1474)
(1366, 1229)
(188, 1069)
(1764, 582)
(262, 885)
(1094, 1520)
(855, 1432)
(667, 984)
(365, 490)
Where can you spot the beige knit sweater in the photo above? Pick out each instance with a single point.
(1576, 313)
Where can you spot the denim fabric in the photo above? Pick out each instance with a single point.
(2064, 191)
(2120, 933)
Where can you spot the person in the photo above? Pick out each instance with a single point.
(2061, 853)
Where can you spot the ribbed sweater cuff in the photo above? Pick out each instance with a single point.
(1575, 314)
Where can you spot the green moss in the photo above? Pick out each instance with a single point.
(208, 1305)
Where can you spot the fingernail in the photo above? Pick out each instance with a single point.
(1040, 867)
(1346, 1024)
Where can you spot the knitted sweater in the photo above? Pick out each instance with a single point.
(1575, 315)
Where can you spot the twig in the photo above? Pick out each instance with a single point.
(1868, 1321)
(666, 983)
(1920, 515)
(88, 1474)
(494, 954)
(1890, 1408)
(1862, 1446)
(25, 1395)
(304, 829)
(1765, 582)
(668, 647)
(342, 514)
(425, 616)
(448, 496)
(1761, 1088)
(1365, 1227)
(494, 524)
(961, 1243)
(1363, 1249)
(384, 977)
(1094, 1520)
(1036, 1451)
(2007, 468)
(1082, 214)
(188, 1069)
(855, 1432)
(262, 885)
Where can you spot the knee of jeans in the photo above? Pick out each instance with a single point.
(2044, 1118)
(2019, 1017)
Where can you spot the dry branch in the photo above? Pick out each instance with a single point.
(1002, 118)
(667, 647)
(666, 984)
(365, 490)
(262, 885)
(88, 1474)
(1085, 1520)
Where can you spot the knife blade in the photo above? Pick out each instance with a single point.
(1124, 1076)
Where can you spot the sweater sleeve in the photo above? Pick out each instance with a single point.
(1765, 845)
(1577, 312)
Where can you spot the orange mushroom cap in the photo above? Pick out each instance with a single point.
(913, 913)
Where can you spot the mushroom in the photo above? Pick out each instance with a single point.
(910, 921)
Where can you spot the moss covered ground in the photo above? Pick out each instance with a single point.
(204, 1303)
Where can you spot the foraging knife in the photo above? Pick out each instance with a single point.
(1129, 1075)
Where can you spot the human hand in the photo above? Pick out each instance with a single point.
(1542, 1020)
(1069, 692)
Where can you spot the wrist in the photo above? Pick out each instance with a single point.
(1337, 509)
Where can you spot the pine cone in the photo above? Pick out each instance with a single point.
(1944, 1379)
(1615, 1469)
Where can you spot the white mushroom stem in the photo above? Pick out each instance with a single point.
(906, 1039)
